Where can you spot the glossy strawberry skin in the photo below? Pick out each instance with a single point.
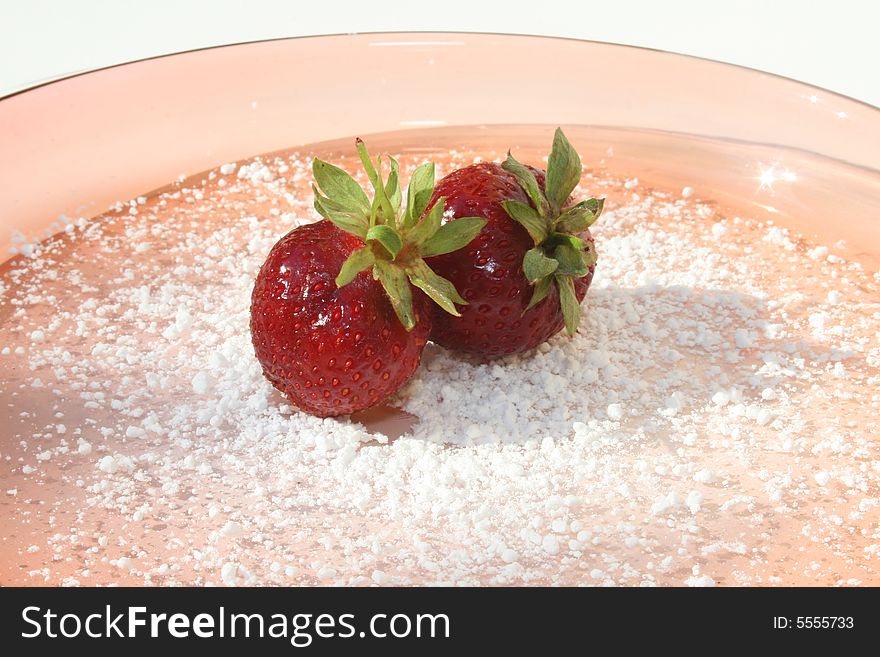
(331, 351)
(488, 272)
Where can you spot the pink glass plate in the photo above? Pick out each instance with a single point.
(754, 143)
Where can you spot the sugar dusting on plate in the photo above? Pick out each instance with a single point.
(711, 423)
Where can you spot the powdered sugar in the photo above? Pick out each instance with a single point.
(703, 404)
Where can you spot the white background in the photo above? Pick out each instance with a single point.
(829, 43)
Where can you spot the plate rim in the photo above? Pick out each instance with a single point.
(39, 84)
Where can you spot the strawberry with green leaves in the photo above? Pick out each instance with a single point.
(342, 309)
(526, 273)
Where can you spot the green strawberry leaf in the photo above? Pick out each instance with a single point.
(344, 220)
(589, 254)
(542, 289)
(441, 290)
(577, 218)
(563, 170)
(571, 261)
(341, 187)
(528, 182)
(556, 239)
(396, 286)
(354, 265)
(367, 162)
(571, 309)
(536, 265)
(527, 217)
(428, 226)
(595, 205)
(392, 186)
(404, 236)
(382, 207)
(451, 236)
(387, 211)
(387, 237)
(421, 188)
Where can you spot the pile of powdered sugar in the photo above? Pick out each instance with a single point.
(712, 422)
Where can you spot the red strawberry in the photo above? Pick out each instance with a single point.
(331, 350)
(526, 273)
(331, 335)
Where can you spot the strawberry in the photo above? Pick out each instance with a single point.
(335, 323)
(526, 273)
